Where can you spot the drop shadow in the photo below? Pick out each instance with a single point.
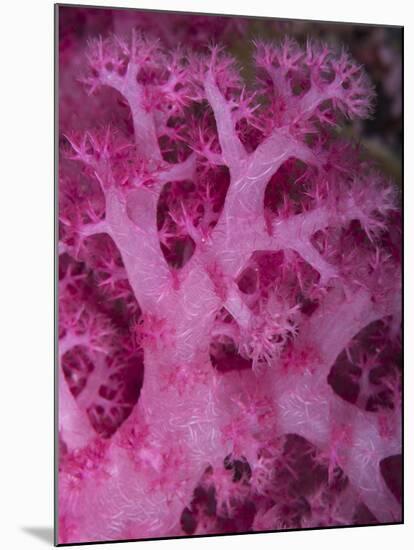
(42, 533)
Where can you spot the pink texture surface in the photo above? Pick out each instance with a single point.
(229, 287)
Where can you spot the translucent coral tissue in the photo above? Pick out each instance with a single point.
(229, 282)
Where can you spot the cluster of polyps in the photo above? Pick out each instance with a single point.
(244, 260)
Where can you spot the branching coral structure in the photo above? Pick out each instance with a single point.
(229, 298)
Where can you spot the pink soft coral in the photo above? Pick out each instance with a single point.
(225, 240)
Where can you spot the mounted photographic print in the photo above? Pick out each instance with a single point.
(229, 243)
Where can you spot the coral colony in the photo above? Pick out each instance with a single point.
(229, 295)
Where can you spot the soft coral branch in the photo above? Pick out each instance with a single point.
(116, 64)
(306, 80)
(233, 150)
